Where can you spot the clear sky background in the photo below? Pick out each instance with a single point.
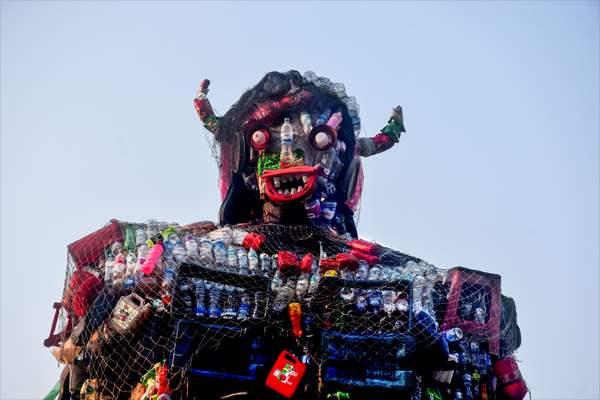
(499, 169)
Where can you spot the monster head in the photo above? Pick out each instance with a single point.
(289, 152)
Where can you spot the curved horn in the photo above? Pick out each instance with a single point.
(386, 139)
(204, 108)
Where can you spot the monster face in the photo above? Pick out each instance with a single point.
(289, 151)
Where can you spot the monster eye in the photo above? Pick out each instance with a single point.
(259, 138)
(322, 137)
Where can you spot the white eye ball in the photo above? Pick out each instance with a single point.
(259, 138)
(322, 139)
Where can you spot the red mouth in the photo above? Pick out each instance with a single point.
(289, 184)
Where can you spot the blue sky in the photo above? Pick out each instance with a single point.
(499, 169)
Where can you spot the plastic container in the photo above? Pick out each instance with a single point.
(286, 374)
(129, 313)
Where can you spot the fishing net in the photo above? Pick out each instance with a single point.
(221, 303)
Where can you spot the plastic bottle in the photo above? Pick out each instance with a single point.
(453, 334)
(140, 236)
(265, 264)
(168, 281)
(108, 270)
(245, 309)
(362, 274)
(131, 265)
(191, 246)
(214, 290)
(287, 141)
(361, 301)
(220, 254)
(252, 262)
(119, 267)
(199, 294)
(283, 297)
(232, 261)
(302, 286)
(243, 263)
(205, 250)
(152, 259)
(229, 307)
(186, 298)
(259, 305)
(389, 304)
(179, 252)
(467, 383)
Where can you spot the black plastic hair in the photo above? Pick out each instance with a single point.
(273, 86)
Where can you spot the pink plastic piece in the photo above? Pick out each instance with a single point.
(335, 120)
(152, 259)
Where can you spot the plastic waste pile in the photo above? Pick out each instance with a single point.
(281, 298)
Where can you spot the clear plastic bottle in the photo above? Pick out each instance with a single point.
(252, 262)
(265, 264)
(245, 309)
(302, 286)
(259, 305)
(453, 334)
(284, 297)
(191, 245)
(232, 261)
(287, 141)
(220, 254)
(199, 291)
(205, 251)
(214, 290)
(108, 270)
(186, 298)
(230, 308)
(242, 259)
(389, 304)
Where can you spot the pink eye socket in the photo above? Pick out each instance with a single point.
(322, 137)
(259, 139)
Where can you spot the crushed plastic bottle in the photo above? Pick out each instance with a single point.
(453, 334)
(230, 308)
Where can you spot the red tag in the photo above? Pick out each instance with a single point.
(286, 374)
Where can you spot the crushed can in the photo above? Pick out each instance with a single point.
(286, 374)
(129, 312)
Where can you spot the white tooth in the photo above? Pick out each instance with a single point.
(286, 191)
(293, 191)
(280, 191)
(277, 182)
(300, 187)
(305, 178)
